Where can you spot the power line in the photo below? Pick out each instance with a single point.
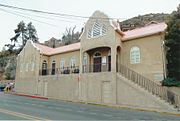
(27, 17)
(49, 18)
(58, 14)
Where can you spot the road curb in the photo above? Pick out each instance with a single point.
(98, 104)
(27, 95)
(134, 108)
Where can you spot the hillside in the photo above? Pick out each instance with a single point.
(142, 20)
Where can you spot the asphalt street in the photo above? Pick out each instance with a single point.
(23, 108)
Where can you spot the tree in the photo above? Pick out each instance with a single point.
(22, 34)
(173, 43)
(32, 33)
(10, 69)
(70, 36)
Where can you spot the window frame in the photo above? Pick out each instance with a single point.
(135, 55)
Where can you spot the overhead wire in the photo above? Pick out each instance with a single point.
(44, 17)
(57, 14)
(13, 13)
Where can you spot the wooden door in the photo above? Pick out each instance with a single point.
(97, 64)
(53, 69)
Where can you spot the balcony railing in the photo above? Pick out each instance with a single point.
(65, 70)
(150, 85)
(94, 68)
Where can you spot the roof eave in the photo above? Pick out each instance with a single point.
(141, 36)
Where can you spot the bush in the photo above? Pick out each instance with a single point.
(170, 82)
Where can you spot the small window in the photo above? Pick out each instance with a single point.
(73, 62)
(62, 63)
(44, 68)
(44, 65)
(134, 55)
(104, 59)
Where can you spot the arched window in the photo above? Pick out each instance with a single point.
(97, 54)
(44, 68)
(134, 55)
(97, 30)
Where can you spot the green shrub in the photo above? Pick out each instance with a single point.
(170, 82)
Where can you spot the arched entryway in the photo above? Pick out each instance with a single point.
(97, 60)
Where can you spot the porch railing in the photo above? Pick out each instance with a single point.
(94, 68)
(150, 85)
(65, 70)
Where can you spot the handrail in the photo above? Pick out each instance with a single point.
(64, 70)
(150, 85)
(98, 67)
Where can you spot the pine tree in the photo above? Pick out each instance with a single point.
(22, 34)
(173, 43)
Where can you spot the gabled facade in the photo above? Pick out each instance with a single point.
(87, 71)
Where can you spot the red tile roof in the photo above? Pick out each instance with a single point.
(128, 35)
(144, 31)
(52, 51)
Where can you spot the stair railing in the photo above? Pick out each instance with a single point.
(150, 85)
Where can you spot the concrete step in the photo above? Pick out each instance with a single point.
(138, 87)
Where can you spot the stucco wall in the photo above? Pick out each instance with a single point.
(91, 87)
(64, 87)
(67, 57)
(27, 70)
(26, 85)
(107, 40)
(151, 59)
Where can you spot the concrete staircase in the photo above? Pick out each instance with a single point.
(170, 100)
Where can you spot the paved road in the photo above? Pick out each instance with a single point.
(22, 108)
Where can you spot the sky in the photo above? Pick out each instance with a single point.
(49, 26)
